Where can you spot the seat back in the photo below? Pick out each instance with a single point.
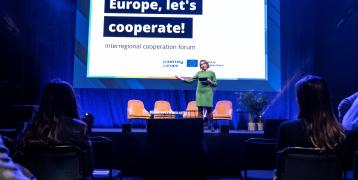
(102, 154)
(223, 110)
(162, 109)
(56, 162)
(191, 110)
(136, 110)
(350, 146)
(308, 163)
(260, 153)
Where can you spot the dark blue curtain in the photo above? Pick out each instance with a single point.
(337, 42)
(47, 37)
(39, 40)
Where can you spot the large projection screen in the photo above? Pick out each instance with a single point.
(144, 44)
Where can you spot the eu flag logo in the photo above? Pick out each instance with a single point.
(192, 63)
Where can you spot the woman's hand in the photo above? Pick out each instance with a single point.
(209, 81)
(179, 78)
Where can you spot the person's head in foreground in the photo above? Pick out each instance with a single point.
(314, 109)
(58, 104)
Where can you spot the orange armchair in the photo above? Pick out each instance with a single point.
(191, 110)
(136, 110)
(223, 110)
(163, 110)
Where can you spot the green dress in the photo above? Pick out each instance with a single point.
(204, 90)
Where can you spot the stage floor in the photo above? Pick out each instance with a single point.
(143, 130)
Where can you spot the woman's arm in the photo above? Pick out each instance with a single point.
(212, 80)
(190, 80)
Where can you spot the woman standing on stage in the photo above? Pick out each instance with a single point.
(204, 90)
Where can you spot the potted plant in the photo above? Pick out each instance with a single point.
(255, 103)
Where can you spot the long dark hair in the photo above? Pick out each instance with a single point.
(323, 129)
(58, 104)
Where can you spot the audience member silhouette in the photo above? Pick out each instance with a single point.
(350, 119)
(348, 116)
(57, 122)
(8, 169)
(345, 105)
(317, 126)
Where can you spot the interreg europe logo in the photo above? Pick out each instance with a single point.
(172, 63)
(192, 63)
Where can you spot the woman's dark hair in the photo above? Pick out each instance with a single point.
(206, 62)
(57, 105)
(323, 129)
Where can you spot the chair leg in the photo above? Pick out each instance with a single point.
(212, 126)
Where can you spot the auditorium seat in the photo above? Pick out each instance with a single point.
(191, 110)
(56, 162)
(260, 154)
(136, 110)
(163, 110)
(103, 159)
(350, 146)
(223, 110)
(296, 163)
